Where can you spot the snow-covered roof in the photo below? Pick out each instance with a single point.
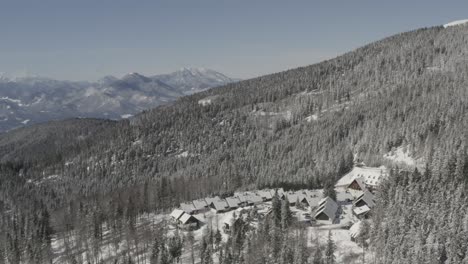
(209, 200)
(313, 193)
(177, 213)
(266, 194)
(255, 198)
(361, 210)
(187, 207)
(370, 176)
(312, 201)
(292, 197)
(328, 207)
(249, 197)
(220, 205)
(242, 198)
(324, 200)
(360, 183)
(280, 192)
(355, 229)
(232, 202)
(186, 217)
(367, 197)
(343, 196)
(199, 204)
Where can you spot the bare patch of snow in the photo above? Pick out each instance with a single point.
(311, 118)
(126, 116)
(206, 101)
(286, 114)
(18, 102)
(400, 156)
(183, 154)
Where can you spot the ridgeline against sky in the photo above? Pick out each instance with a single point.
(85, 40)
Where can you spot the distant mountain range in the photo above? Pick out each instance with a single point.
(31, 100)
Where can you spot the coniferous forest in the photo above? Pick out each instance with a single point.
(301, 128)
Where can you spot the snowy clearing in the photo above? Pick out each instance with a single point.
(126, 116)
(399, 155)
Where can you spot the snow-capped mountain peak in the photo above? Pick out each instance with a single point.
(456, 23)
(191, 80)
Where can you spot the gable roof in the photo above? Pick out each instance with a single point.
(292, 197)
(187, 207)
(209, 200)
(232, 202)
(279, 190)
(313, 193)
(367, 197)
(242, 198)
(361, 210)
(360, 182)
(255, 198)
(328, 207)
(248, 197)
(220, 205)
(312, 201)
(199, 204)
(325, 200)
(177, 213)
(343, 196)
(185, 218)
(266, 194)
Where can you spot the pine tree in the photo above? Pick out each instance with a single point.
(317, 256)
(286, 215)
(330, 250)
(175, 247)
(276, 209)
(329, 190)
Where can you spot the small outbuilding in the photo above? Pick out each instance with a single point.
(361, 212)
(187, 221)
(366, 198)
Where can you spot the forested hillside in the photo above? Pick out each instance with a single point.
(298, 128)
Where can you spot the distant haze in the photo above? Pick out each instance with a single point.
(84, 40)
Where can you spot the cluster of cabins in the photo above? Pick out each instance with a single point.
(365, 199)
(323, 209)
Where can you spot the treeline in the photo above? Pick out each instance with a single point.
(422, 217)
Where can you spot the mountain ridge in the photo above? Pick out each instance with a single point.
(40, 99)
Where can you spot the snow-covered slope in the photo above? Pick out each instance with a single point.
(456, 23)
(191, 80)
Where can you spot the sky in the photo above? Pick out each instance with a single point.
(89, 39)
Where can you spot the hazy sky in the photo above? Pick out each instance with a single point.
(87, 39)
